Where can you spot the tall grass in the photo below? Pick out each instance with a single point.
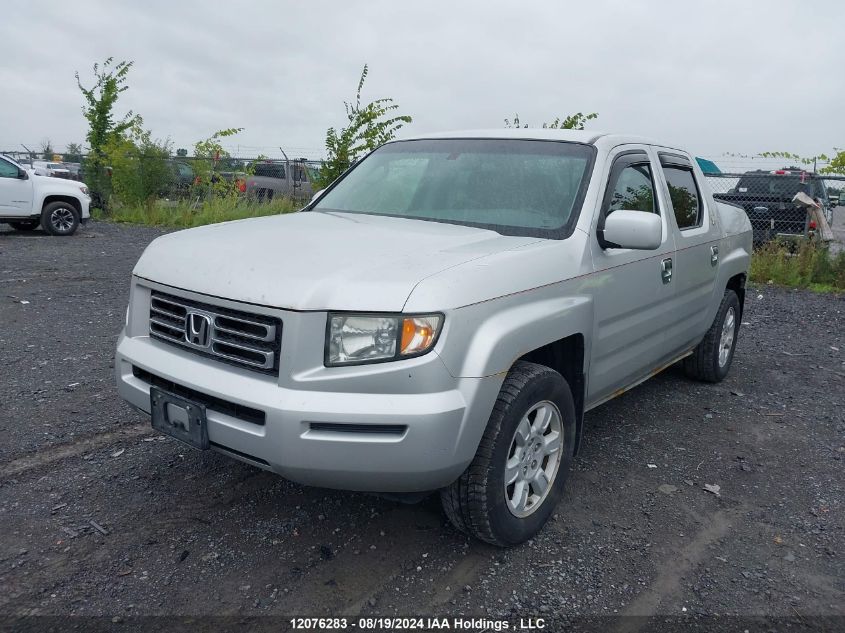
(185, 214)
(807, 265)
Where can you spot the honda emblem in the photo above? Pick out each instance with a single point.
(198, 328)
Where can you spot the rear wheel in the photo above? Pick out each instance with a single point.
(518, 474)
(25, 225)
(712, 358)
(60, 218)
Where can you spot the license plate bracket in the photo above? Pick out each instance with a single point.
(179, 417)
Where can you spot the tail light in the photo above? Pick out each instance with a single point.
(241, 184)
(812, 225)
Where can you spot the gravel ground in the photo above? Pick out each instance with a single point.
(100, 516)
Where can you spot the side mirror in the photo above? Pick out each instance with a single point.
(22, 175)
(639, 230)
(317, 195)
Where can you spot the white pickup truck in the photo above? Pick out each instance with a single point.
(28, 200)
(441, 317)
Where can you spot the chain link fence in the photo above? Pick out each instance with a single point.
(259, 179)
(779, 202)
(134, 179)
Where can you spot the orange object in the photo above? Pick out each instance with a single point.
(416, 335)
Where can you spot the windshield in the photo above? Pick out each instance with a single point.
(515, 187)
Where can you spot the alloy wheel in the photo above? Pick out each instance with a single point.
(61, 219)
(533, 458)
(726, 340)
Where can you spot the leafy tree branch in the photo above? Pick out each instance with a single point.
(575, 121)
(109, 82)
(369, 126)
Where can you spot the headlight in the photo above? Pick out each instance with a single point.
(353, 339)
(84, 190)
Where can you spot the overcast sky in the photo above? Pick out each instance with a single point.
(711, 77)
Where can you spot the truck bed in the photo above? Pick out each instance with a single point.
(770, 215)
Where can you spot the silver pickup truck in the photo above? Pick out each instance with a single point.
(441, 317)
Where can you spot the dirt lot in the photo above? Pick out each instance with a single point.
(100, 516)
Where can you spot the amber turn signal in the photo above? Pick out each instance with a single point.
(418, 334)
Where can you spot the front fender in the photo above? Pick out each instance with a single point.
(487, 338)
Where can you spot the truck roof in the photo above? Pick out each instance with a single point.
(544, 134)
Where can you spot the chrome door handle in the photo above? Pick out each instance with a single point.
(666, 270)
(714, 255)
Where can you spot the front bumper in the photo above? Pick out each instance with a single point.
(85, 209)
(304, 436)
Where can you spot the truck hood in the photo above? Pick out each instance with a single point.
(53, 183)
(316, 260)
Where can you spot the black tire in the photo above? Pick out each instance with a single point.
(705, 364)
(25, 225)
(476, 502)
(60, 218)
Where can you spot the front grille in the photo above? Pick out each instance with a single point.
(231, 336)
(232, 409)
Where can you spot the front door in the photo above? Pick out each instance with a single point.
(632, 289)
(15, 193)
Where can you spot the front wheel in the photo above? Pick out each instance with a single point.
(60, 218)
(711, 359)
(516, 479)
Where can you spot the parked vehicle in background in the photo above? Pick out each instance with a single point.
(426, 323)
(767, 198)
(29, 200)
(74, 169)
(312, 170)
(54, 170)
(183, 177)
(274, 178)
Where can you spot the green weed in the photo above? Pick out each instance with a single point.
(809, 265)
(185, 214)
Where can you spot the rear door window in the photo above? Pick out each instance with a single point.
(683, 192)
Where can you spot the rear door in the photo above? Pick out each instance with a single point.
(633, 289)
(697, 255)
